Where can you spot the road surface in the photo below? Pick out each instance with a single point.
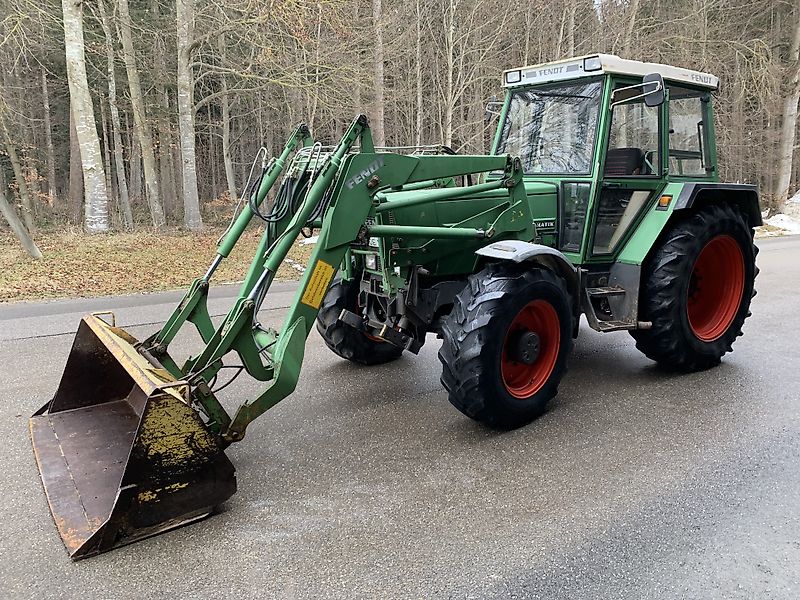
(366, 483)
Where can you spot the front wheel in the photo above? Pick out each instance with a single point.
(696, 289)
(346, 341)
(505, 344)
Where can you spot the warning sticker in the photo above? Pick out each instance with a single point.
(317, 284)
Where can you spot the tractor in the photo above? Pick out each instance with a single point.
(601, 197)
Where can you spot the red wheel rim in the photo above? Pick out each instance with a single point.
(524, 380)
(715, 288)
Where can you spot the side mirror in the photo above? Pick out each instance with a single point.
(653, 88)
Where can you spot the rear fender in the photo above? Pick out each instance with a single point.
(744, 196)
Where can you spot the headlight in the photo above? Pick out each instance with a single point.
(514, 76)
(371, 262)
(592, 64)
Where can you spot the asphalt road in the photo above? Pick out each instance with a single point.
(366, 483)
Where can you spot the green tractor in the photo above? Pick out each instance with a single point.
(600, 198)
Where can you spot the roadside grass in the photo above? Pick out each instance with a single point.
(767, 230)
(76, 265)
(82, 266)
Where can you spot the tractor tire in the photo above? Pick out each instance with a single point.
(696, 289)
(505, 344)
(346, 341)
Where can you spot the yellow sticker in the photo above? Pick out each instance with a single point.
(317, 284)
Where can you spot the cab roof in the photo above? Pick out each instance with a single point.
(596, 64)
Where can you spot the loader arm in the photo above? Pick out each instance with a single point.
(348, 183)
(193, 306)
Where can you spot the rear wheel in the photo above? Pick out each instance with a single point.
(346, 341)
(696, 289)
(505, 344)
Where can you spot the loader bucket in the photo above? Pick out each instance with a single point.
(121, 453)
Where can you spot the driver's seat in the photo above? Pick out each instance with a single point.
(621, 162)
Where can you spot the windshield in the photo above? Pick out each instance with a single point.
(552, 129)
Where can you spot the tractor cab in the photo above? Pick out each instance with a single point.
(608, 135)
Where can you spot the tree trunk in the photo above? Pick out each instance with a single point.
(119, 163)
(789, 120)
(22, 186)
(168, 176)
(48, 139)
(449, 100)
(570, 33)
(211, 151)
(630, 27)
(376, 123)
(163, 125)
(16, 225)
(226, 127)
(75, 206)
(106, 149)
(418, 56)
(191, 200)
(25, 137)
(140, 123)
(135, 161)
(94, 179)
(165, 155)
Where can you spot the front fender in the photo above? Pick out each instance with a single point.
(518, 251)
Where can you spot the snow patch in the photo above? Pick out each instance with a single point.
(311, 240)
(792, 207)
(784, 223)
(299, 267)
(789, 223)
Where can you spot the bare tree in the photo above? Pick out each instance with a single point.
(377, 122)
(94, 179)
(48, 137)
(140, 122)
(116, 125)
(191, 200)
(14, 222)
(75, 194)
(19, 177)
(227, 160)
(789, 116)
(418, 72)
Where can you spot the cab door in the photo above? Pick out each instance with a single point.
(632, 170)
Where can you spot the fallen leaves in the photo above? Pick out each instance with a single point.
(80, 265)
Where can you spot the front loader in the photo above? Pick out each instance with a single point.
(587, 206)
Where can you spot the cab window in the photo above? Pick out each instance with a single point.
(633, 144)
(688, 132)
(552, 128)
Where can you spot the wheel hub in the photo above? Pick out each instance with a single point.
(525, 347)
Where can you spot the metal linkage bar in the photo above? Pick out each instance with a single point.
(442, 194)
(408, 231)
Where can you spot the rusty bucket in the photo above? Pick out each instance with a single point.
(121, 452)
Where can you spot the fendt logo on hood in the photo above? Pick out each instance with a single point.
(363, 175)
